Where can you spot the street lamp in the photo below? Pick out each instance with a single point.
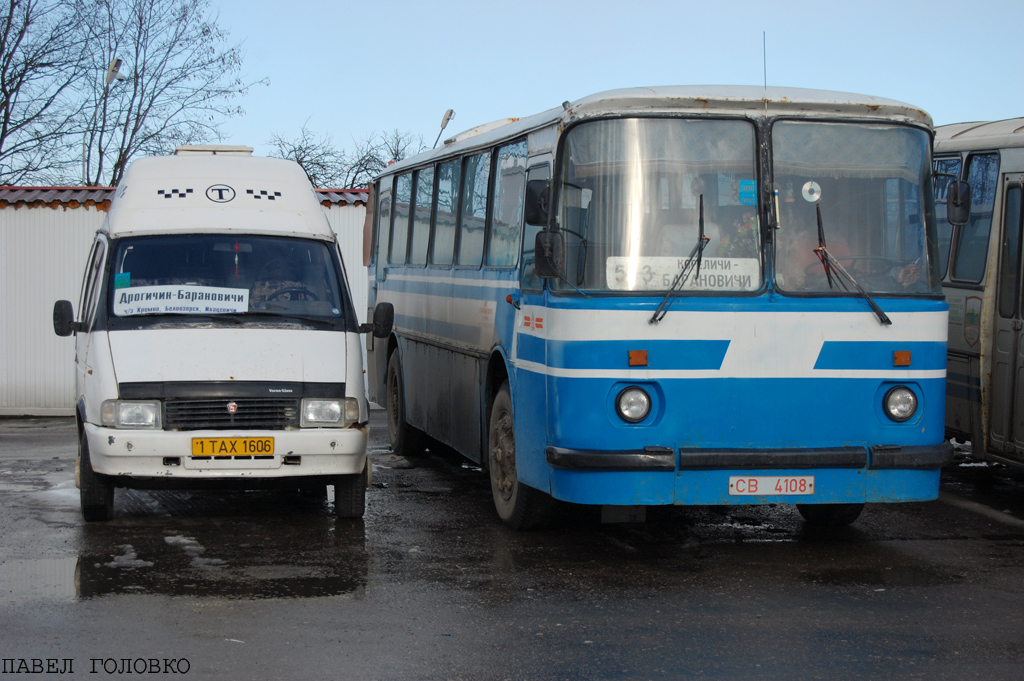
(113, 74)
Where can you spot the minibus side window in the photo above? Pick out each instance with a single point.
(475, 183)
(421, 216)
(447, 211)
(93, 278)
(400, 230)
(972, 240)
(1009, 264)
(507, 216)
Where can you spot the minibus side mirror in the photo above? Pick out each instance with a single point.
(549, 250)
(537, 202)
(64, 323)
(958, 203)
(383, 321)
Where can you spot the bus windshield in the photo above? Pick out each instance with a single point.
(631, 192)
(872, 184)
(222, 274)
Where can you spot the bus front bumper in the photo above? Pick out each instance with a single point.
(665, 476)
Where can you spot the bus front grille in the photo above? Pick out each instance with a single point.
(266, 414)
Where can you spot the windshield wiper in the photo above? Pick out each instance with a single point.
(695, 257)
(832, 266)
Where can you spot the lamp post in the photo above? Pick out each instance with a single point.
(113, 74)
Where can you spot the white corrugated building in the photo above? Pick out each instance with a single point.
(45, 236)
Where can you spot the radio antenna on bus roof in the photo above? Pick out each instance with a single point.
(448, 115)
(764, 65)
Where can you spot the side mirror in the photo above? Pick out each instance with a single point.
(958, 203)
(536, 210)
(64, 318)
(549, 250)
(383, 321)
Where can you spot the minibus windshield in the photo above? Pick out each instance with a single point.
(629, 196)
(222, 274)
(872, 184)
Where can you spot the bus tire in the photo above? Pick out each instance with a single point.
(519, 506)
(350, 495)
(405, 440)
(97, 492)
(830, 515)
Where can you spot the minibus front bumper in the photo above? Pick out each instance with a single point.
(141, 454)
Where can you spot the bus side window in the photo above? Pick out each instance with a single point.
(383, 227)
(447, 210)
(1009, 257)
(530, 281)
(972, 241)
(949, 166)
(475, 184)
(400, 229)
(421, 216)
(507, 215)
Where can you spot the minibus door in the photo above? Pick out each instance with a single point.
(1006, 424)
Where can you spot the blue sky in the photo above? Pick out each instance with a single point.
(352, 69)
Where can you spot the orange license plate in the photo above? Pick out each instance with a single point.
(232, 446)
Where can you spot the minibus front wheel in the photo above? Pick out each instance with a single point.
(97, 492)
(519, 506)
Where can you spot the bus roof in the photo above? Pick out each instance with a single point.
(740, 100)
(211, 193)
(980, 135)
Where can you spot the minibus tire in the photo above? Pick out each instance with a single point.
(519, 506)
(405, 440)
(830, 515)
(350, 495)
(97, 493)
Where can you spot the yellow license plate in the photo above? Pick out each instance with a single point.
(232, 446)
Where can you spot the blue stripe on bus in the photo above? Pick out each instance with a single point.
(878, 355)
(766, 302)
(689, 355)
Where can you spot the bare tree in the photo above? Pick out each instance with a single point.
(324, 163)
(182, 77)
(41, 65)
(328, 166)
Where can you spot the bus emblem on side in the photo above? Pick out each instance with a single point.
(220, 193)
(232, 407)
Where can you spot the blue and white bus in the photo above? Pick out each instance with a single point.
(674, 295)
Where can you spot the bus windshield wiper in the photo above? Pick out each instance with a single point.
(694, 259)
(832, 266)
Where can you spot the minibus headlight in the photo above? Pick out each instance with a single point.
(131, 415)
(318, 413)
(634, 404)
(900, 403)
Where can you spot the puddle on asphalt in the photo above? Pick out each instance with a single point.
(23, 581)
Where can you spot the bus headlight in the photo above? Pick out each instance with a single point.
(633, 404)
(900, 403)
(131, 415)
(329, 413)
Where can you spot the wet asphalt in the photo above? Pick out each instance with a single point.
(430, 585)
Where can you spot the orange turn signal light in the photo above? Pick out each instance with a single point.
(901, 358)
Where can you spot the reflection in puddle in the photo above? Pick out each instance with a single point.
(44, 578)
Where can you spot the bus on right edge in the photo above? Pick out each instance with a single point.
(981, 263)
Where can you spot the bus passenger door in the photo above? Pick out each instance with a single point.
(1006, 421)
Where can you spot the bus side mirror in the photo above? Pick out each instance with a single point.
(537, 202)
(549, 250)
(958, 203)
(64, 319)
(383, 321)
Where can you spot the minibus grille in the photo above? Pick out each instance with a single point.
(267, 414)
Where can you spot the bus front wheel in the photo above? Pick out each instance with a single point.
(519, 506)
(830, 515)
(405, 440)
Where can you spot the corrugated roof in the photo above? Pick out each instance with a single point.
(99, 197)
